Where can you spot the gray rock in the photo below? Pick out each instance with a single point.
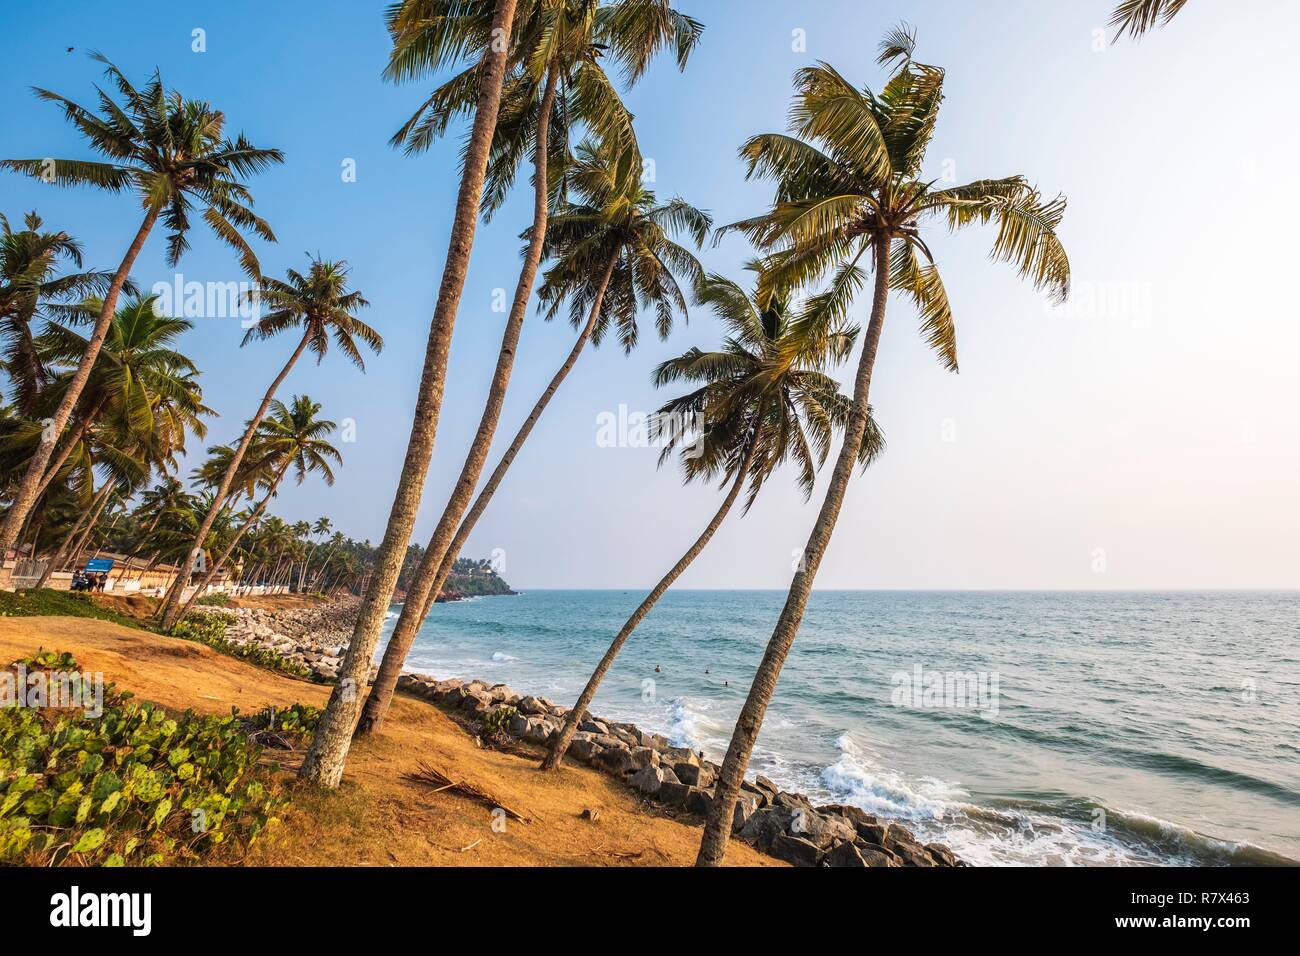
(941, 854)
(699, 800)
(617, 759)
(845, 854)
(648, 779)
(795, 850)
(673, 794)
(876, 855)
(518, 725)
(644, 757)
(531, 706)
(746, 805)
(585, 750)
(694, 774)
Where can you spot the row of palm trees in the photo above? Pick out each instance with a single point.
(850, 207)
(849, 202)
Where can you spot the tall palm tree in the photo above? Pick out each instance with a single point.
(29, 260)
(612, 254)
(322, 307)
(562, 42)
(763, 399)
(848, 190)
(290, 436)
(323, 763)
(1136, 17)
(172, 153)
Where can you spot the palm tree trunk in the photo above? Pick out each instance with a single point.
(234, 539)
(172, 605)
(390, 667)
(561, 743)
(325, 757)
(498, 474)
(717, 828)
(73, 437)
(77, 534)
(25, 497)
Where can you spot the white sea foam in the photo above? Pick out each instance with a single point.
(502, 657)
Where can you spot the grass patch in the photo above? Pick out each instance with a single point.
(50, 603)
(207, 628)
(215, 599)
(135, 786)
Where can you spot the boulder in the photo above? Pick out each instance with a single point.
(746, 805)
(941, 854)
(617, 759)
(531, 706)
(585, 750)
(907, 849)
(764, 826)
(644, 757)
(669, 776)
(699, 800)
(595, 727)
(673, 794)
(795, 850)
(694, 774)
(648, 779)
(876, 855)
(518, 725)
(845, 854)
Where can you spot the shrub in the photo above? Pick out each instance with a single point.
(496, 722)
(48, 602)
(134, 786)
(215, 599)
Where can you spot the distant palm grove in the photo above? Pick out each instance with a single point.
(108, 450)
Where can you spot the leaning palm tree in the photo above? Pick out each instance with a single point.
(763, 400)
(1136, 17)
(172, 153)
(290, 436)
(612, 254)
(848, 190)
(323, 763)
(560, 48)
(322, 307)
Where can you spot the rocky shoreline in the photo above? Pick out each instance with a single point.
(784, 825)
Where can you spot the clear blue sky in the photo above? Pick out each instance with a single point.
(1161, 426)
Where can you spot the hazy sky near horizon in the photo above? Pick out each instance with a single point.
(1147, 435)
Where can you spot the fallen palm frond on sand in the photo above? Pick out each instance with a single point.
(441, 781)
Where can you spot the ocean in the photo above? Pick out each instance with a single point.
(1018, 728)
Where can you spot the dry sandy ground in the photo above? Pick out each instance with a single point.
(377, 818)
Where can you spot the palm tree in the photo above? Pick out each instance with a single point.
(171, 152)
(136, 371)
(323, 763)
(1139, 16)
(763, 400)
(320, 304)
(612, 254)
(848, 189)
(561, 42)
(29, 260)
(290, 436)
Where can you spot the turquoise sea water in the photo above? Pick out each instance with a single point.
(1097, 728)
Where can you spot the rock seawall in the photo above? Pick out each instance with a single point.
(314, 637)
(785, 825)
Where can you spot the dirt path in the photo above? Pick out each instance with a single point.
(376, 817)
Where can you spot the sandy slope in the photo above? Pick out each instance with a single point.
(377, 818)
